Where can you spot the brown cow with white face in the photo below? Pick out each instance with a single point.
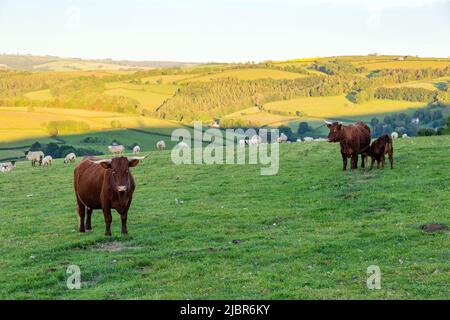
(354, 140)
(104, 184)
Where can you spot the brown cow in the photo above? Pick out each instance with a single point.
(104, 184)
(379, 148)
(354, 140)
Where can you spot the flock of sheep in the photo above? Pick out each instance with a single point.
(38, 157)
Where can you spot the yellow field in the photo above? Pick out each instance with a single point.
(149, 96)
(407, 64)
(248, 74)
(335, 106)
(167, 79)
(426, 84)
(19, 123)
(70, 65)
(256, 117)
(40, 95)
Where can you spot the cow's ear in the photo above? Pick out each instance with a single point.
(329, 126)
(133, 163)
(106, 165)
(339, 126)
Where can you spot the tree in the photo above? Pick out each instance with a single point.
(374, 122)
(36, 146)
(303, 128)
(286, 130)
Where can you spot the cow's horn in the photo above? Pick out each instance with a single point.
(101, 161)
(328, 122)
(140, 158)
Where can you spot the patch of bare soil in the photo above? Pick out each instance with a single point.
(434, 227)
(115, 246)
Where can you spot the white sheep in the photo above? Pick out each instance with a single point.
(161, 145)
(7, 167)
(394, 135)
(117, 150)
(47, 161)
(255, 140)
(242, 143)
(71, 157)
(182, 145)
(320, 140)
(136, 150)
(405, 135)
(35, 156)
(308, 139)
(282, 138)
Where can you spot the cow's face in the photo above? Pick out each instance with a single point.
(335, 134)
(120, 172)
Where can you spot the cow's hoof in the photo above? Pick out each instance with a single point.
(82, 230)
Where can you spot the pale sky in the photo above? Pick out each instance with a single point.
(224, 30)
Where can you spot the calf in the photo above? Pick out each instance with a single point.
(379, 148)
(104, 184)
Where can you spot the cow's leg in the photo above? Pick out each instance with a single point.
(391, 158)
(371, 163)
(354, 162)
(363, 161)
(88, 219)
(383, 159)
(81, 214)
(344, 161)
(108, 220)
(124, 216)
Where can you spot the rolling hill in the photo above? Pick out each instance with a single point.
(151, 95)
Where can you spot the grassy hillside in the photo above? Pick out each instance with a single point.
(20, 123)
(225, 232)
(240, 95)
(339, 106)
(52, 63)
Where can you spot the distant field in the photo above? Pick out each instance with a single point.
(40, 95)
(71, 65)
(248, 74)
(167, 79)
(335, 106)
(149, 96)
(434, 84)
(20, 123)
(406, 64)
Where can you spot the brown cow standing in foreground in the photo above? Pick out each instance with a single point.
(379, 148)
(354, 140)
(104, 184)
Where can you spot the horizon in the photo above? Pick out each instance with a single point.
(198, 31)
(218, 62)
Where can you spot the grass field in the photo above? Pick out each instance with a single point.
(309, 232)
(18, 123)
(407, 64)
(40, 95)
(435, 84)
(149, 96)
(339, 106)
